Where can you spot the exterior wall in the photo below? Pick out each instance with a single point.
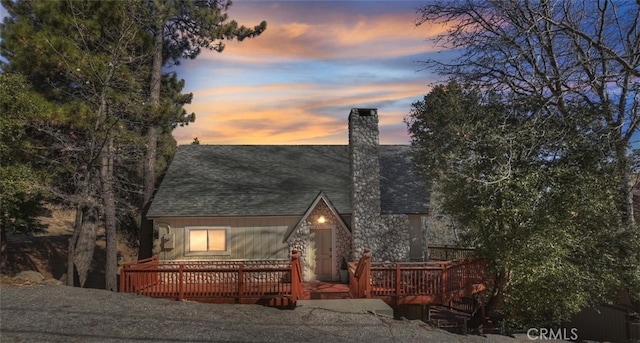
(418, 238)
(606, 323)
(301, 239)
(366, 226)
(248, 238)
(401, 238)
(393, 238)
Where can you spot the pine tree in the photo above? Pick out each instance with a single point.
(88, 57)
(22, 185)
(180, 30)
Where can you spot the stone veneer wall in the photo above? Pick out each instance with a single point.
(394, 238)
(301, 239)
(365, 181)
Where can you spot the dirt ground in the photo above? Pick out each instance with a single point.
(46, 253)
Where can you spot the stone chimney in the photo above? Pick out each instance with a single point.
(365, 180)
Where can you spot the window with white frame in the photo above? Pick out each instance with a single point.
(207, 241)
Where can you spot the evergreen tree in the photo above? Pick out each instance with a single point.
(22, 186)
(571, 63)
(180, 30)
(534, 194)
(93, 68)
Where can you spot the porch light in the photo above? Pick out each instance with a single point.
(321, 220)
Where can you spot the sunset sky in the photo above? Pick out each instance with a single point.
(296, 83)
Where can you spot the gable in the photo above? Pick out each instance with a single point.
(320, 200)
(263, 180)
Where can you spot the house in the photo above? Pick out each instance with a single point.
(260, 202)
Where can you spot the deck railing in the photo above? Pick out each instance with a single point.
(215, 280)
(449, 252)
(359, 276)
(143, 279)
(420, 282)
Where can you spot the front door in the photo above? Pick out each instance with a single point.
(321, 252)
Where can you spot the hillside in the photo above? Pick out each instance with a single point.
(46, 253)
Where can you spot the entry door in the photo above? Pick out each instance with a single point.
(322, 249)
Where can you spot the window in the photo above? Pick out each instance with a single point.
(207, 241)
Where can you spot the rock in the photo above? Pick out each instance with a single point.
(53, 282)
(30, 276)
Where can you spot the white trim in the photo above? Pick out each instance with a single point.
(187, 246)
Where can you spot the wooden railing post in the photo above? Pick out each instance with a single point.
(123, 275)
(443, 295)
(398, 279)
(366, 277)
(240, 282)
(360, 281)
(296, 276)
(180, 281)
(468, 278)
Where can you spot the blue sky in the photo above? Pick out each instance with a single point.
(296, 83)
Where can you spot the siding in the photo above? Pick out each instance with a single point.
(416, 238)
(605, 323)
(248, 238)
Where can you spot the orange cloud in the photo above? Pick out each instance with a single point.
(296, 82)
(242, 116)
(332, 35)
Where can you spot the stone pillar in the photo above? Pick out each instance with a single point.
(365, 181)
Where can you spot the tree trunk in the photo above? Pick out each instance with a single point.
(86, 243)
(108, 197)
(626, 191)
(4, 256)
(146, 226)
(77, 227)
(493, 308)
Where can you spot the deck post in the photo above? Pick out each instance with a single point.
(468, 278)
(398, 279)
(296, 276)
(443, 295)
(367, 273)
(360, 281)
(180, 282)
(240, 282)
(122, 276)
(482, 309)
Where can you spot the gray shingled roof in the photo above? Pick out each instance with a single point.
(262, 180)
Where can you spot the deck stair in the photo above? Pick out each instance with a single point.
(325, 290)
(448, 319)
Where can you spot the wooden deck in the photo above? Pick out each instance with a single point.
(273, 283)
(433, 282)
(279, 283)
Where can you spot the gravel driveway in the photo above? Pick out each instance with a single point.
(51, 313)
